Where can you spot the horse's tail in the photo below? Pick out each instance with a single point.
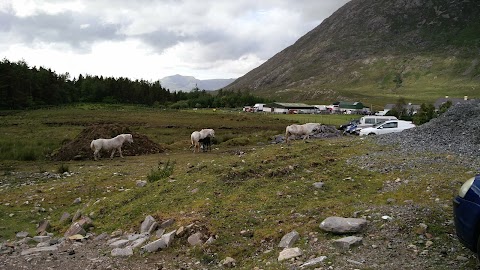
(92, 146)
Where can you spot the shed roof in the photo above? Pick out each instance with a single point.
(290, 105)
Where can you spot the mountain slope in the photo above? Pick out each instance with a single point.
(376, 51)
(187, 83)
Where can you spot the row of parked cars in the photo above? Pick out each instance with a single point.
(375, 125)
(466, 204)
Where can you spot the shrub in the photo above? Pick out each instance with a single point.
(240, 141)
(63, 168)
(162, 171)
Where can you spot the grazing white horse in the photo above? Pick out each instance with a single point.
(109, 144)
(298, 130)
(200, 135)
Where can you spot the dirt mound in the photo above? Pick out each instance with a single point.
(79, 148)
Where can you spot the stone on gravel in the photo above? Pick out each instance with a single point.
(289, 253)
(75, 228)
(38, 250)
(195, 239)
(122, 252)
(155, 245)
(347, 242)
(343, 225)
(289, 239)
(147, 224)
(119, 244)
(313, 262)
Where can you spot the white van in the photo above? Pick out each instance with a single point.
(369, 121)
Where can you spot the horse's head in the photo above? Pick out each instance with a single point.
(208, 132)
(128, 138)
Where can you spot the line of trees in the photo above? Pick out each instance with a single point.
(24, 87)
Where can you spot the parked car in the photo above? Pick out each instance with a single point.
(466, 212)
(349, 124)
(387, 127)
(371, 120)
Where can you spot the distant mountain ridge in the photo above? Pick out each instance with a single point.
(377, 51)
(187, 83)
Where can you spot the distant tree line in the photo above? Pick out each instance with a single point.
(426, 113)
(24, 87)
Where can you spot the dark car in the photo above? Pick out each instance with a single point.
(350, 126)
(466, 211)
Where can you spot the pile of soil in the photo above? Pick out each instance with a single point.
(79, 148)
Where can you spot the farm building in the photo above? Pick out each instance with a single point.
(286, 108)
(352, 107)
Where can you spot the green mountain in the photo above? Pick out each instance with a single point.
(377, 51)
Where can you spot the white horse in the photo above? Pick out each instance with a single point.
(200, 135)
(298, 130)
(109, 144)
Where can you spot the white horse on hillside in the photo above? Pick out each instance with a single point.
(200, 135)
(302, 130)
(109, 144)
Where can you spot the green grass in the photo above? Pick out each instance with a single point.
(266, 190)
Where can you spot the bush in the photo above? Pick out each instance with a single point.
(63, 168)
(240, 141)
(163, 170)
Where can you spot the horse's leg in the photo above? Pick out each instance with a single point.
(96, 154)
(120, 151)
(113, 153)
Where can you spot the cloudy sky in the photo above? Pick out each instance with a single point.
(151, 39)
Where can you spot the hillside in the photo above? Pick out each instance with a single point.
(376, 51)
(187, 83)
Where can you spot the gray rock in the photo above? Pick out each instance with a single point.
(318, 185)
(289, 253)
(138, 242)
(102, 236)
(313, 262)
(167, 223)
(168, 237)
(65, 217)
(195, 239)
(289, 239)
(41, 239)
(152, 228)
(77, 215)
(159, 233)
(77, 200)
(347, 242)
(119, 244)
(38, 250)
(43, 226)
(147, 224)
(141, 183)
(76, 228)
(343, 225)
(22, 234)
(122, 252)
(154, 246)
(180, 231)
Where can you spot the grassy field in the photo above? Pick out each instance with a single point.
(244, 184)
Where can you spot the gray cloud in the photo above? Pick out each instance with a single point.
(217, 30)
(61, 28)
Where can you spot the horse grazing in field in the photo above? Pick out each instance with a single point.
(200, 135)
(109, 144)
(302, 130)
(206, 144)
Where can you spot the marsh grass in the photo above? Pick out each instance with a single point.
(162, 171)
